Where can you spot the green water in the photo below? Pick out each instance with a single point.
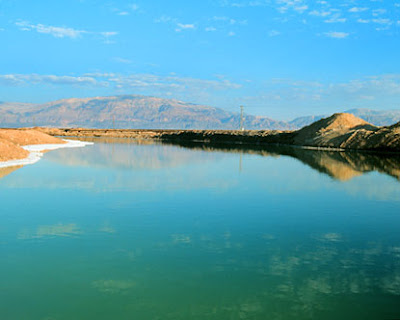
(128, 231)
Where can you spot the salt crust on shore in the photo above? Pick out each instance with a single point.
(36, 152)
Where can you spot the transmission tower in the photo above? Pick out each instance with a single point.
(241, 119)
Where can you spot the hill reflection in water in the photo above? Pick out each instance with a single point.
(341, 166)
(337, 164)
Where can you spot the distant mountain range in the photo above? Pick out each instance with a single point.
(142, 112)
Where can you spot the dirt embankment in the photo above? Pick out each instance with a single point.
(340, 131)
(12, 140)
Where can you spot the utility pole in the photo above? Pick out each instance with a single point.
(113, 122)
(241, 119)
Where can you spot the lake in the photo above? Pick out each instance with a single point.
(139, 230)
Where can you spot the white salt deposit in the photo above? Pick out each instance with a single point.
(36, 152)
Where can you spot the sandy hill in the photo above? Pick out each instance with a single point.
(11, 141)
(375, 117)
(24, 137)
(346, 131)
(331, 131)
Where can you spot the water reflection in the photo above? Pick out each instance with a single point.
(50, 231)
(338, 165)
(123, 230)
(6, 171)
(153, 155)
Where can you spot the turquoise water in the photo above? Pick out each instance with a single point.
(129, 231)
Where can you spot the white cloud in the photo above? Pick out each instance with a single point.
(60, 32)
(353, 11)
(164, 19)
(382, 21)
(29, 79)
(182, 26)
(179, 26)
(301, 9)
(134, 7)
(122, 60)
(337, 35)
(231, 34)
(108, 33)
(210, 29)
(153, 82)
(227, 20)
(274, 33)
(336, 19)
(358, 9)
(319, 13)
(378, 12)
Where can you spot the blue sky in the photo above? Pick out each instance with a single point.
(279, 58)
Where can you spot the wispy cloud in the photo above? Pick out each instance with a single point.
(34, 79)
(178, 26)
(164, 19)
(127, 10)
(134, 7)
(378, 12)
(337, 35)
(121, 82)
(381, 91)
(382, 21)
(210, 29)
(58, 32)
(274, 33)
(328, 11)
(358, 9)
(122, 60)
(61, 32)
(182, 26)
(336, 19)
(319, 13)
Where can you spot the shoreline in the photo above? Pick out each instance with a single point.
(228, 137)
(36, 152)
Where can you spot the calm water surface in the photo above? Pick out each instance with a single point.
(129, 231)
